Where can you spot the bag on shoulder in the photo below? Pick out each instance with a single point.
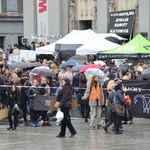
(119, 109)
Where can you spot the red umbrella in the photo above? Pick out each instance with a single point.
(84, 68)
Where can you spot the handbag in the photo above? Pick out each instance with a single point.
(56, 104)
(127, 99)
(119, 109)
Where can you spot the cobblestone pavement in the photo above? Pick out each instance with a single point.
(135, 137)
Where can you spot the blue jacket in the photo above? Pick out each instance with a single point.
(119, 99)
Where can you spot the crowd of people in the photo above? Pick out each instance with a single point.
(89, 92)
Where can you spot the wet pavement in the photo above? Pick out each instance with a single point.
(135, 137)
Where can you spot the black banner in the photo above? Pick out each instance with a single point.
(41, 103)
(139, 92)
(121, 22)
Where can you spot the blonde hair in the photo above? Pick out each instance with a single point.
(110, 85)
(53, 66)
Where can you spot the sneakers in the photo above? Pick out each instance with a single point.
(72, 135)
(34, 124)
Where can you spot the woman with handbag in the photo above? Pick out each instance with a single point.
(119, 102)
(65, 99)
(14, 110)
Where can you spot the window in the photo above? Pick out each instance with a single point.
(12, 5)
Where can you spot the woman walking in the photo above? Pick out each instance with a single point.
(119, 99)
(65, 99)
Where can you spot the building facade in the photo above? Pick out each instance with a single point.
(11, 22)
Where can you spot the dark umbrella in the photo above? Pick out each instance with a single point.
(146, 74)
(72, 62)
(14, 65)
(77, 68)
(112, 39)
(126, 65)
(32, 65)
(43, 72)
(79, 57)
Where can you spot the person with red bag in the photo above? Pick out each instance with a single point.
(128, 114)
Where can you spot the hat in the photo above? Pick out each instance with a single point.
(117, 79)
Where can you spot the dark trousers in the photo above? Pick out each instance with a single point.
(44, 116)
(33, 115)
(15, 114)
(118, 122)
(85, 110)
(111, 120)
(66, 122)
(24, 110)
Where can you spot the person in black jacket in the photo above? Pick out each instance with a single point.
(32, 92)
(13, 101)
(65, 98)
(23, 100)
(84, 104)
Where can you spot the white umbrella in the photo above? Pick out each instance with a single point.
(97, 72)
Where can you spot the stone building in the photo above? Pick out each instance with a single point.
(84, 14)
(11, 22)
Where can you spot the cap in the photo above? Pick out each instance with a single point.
(117, 79)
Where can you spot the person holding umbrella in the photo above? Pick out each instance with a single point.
(96, 100)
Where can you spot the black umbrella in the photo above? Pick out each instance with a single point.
(44, 72)
(32, 65)
(14, 65)
(146, 74)
(79, 57)
(113, 39)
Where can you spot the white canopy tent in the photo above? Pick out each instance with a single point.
(96, 45)
(74, 39)
(71, 41)
(48, 49)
